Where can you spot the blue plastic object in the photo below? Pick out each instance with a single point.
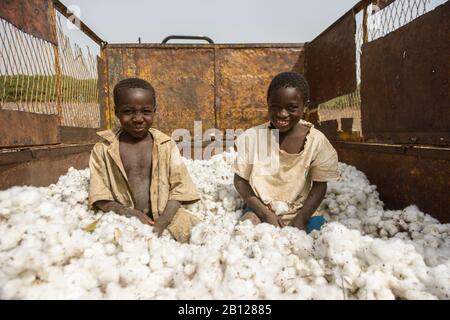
(315, 223)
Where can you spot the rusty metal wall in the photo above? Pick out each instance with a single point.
(41, 167)
(331, 61)
(224, 86)
(244, 76)
(102, 87)
(404, 177)
(34, 17)
(183, 79)
(23, 128)
(405, 82)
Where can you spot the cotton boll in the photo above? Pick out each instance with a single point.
(431, 241)
(156, 263)
(11, 237)
(411, 214)
(402, 235)
(229, 204)
(107, 275)
(390, 227)
(110, 249)
(28, 197)
(116, 292)
(11, 289)
(279, 207)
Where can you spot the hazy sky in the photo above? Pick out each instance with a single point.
(231, 21)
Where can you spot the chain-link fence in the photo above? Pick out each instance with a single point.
(373, 22)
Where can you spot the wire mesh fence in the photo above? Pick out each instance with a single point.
(79, 77)
(27, 72)
(380, 20)
(39, 77)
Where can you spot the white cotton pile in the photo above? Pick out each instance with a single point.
(364, 253)
(355, 203)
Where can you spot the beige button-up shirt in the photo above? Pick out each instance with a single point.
(170, 179)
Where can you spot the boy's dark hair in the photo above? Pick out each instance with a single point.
(290, 80)
(132, 83)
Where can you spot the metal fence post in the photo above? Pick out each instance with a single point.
(57, 70)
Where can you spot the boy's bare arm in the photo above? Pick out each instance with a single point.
(108, 205)
(167, 216)
(261, 210)
(310, 206)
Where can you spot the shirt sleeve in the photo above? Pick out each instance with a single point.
(324, 167)
(182, 188)
(99, 186)
(242, 165)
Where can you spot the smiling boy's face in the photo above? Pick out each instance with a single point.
(135, 110)
(285, 108)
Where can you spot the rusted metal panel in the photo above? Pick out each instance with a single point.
(244, 76)
(102, 91)
(403, 179)
(115, 74)
(329, 128)
(204, 81)
(78, 135)
(429, 152)
(331, 61)
(183, 79)
(405, 82)
(204, 46)
(346, 124)
(31, 16)
(27, 129)
(42, 167)
(184, 83)
(17, 156)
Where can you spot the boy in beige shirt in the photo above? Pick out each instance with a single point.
(137, 171)
(285, 162)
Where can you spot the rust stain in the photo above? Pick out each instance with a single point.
(245, 75)
(403, 179)
(331, 61)
(31, 16)
(102, 92)
(405, 82)
(27, 129)
(222, 86)
(184, 83)
(44, 170)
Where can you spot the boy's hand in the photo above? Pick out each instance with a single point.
(160, 226)
(145, 219)
(107, 205)
(311, 204)
(300, 224)
(166, 217)
(271, 218)
(299, 221)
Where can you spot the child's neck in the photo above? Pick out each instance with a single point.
(126, 137)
